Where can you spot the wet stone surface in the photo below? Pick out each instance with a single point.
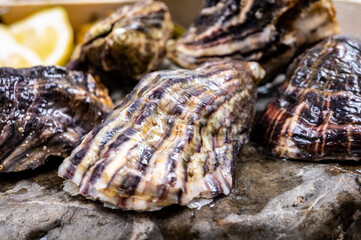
(271, 199)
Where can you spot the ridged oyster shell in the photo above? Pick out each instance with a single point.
(128, 44)
(270, 32)
(316, 115)
(175, 138)
(44, 111)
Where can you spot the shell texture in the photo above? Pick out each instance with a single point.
(128, 44)
(270, 32)
(175, 138)
(317, 113)
(44, 111)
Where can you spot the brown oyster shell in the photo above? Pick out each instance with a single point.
(270, 32)
(127, 44)
(44, 111)
(174, 139)
(316, 115)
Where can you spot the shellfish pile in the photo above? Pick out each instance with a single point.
(175, 138)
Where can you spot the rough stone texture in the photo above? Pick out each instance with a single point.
(272, 199)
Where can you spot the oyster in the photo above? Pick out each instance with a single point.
(128, 44)
(270, 32)
(175, 138)
(44, 111)
(316, 114)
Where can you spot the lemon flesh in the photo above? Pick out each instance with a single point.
(48, 33)
(12, 54)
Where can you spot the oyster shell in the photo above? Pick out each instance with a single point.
(316, 114)
(44, 111)
(270, 32)
(175, 138)
(128, 44)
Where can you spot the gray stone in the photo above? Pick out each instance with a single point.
(272, 199)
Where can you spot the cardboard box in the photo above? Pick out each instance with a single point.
(182, 11)
(83, 11)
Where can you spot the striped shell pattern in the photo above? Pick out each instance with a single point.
(175, 138)
(270, 32)
(316, 115)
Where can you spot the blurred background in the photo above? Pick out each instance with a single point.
(82, 11)
(183, 11)
(31, 37)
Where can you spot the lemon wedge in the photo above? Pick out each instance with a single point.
(48, 33)
(12, 54)
(5, 34)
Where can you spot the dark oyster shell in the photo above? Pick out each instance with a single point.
(270, 32)
(174, 139)
(128, 44)
(44, 111)
(317, 113)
